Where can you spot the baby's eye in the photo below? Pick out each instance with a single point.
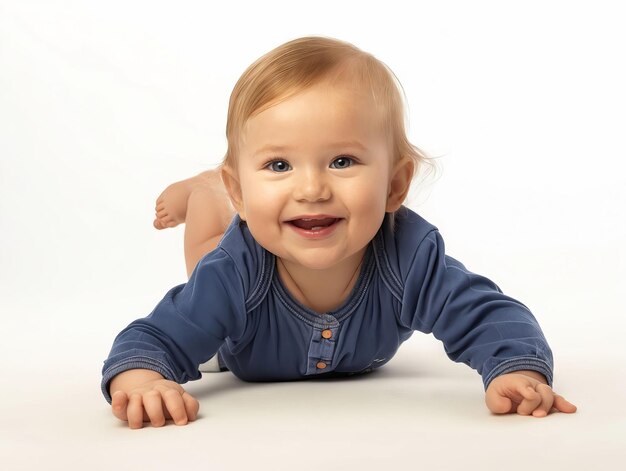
(278, 166)
(343, 162)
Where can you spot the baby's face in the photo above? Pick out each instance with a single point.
(332, 158)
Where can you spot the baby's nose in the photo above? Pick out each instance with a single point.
(312, 187)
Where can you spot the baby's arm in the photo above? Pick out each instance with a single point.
(153, 356)
(483, 328)
(144, 395)
(525, 392)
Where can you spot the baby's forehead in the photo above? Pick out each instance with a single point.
(317, 122)
(340, 103)
(333, 109)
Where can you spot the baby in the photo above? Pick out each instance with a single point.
(317, 269)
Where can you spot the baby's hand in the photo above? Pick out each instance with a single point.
(155, 401)
(521, 392)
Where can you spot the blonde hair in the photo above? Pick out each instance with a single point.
(298, 64)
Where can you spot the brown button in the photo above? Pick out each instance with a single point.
(327, 334)
(321, 365)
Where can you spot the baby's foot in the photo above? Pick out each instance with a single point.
(171, 205)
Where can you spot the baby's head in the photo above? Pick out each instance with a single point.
(299, 64)
(316, 127)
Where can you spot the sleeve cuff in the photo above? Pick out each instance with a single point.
(131, 363)
(519, 363)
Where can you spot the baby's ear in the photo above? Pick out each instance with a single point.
(233, 187)
(401, 177)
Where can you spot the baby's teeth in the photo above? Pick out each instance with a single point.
(316, 228)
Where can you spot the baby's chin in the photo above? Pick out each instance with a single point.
(318, 259)
(310, 263)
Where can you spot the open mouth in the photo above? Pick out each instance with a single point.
(315, 228)
(313, 224)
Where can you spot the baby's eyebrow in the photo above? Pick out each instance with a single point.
(334, 145)
(271, 148)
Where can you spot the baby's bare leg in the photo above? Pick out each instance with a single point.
(171, 205)
(201, 202)
(209, 212)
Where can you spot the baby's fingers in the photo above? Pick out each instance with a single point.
(175, 406)
(563, 405)
(547, 399)
(119, 403)
(191, 406)
(135, 411)
(154, 408)
(530, 402)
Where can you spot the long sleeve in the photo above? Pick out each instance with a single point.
(478, 324)
(187, 326)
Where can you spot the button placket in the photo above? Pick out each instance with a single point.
(322, 346)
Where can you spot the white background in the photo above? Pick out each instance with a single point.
(103, 104)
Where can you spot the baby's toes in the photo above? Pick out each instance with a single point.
(165, 221)
(161, 220)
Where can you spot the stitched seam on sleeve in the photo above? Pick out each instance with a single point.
(130, 363)
(513, 364)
